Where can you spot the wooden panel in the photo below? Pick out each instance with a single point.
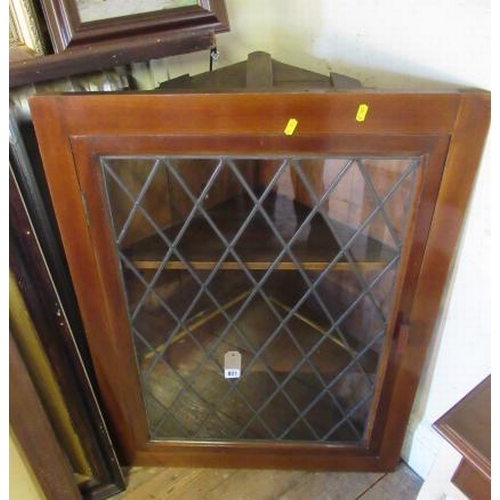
(275, 145)
(64, 186)
(262, 72)
(467, 426)
(259, 71)
(454, 190)
(471, 481)
(255, 456)
(260, 114)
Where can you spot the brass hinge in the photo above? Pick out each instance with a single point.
(85, 208)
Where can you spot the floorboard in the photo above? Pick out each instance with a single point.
(333, 485)
(154, 483)
(403, 483)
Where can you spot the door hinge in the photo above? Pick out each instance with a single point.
(85, 208)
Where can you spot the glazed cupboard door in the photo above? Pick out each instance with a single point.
(259, 274)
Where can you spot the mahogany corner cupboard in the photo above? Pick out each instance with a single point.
(259, 271)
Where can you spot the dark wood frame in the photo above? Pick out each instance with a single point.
(36, 285)
(93, 46)
(99, 57)
(67, 30)
(448, 128)
(27, 173)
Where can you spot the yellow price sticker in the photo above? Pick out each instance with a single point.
(291, 126)
(362, 112)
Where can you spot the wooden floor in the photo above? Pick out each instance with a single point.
(185, 484)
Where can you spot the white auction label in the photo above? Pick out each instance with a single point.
(232, 364)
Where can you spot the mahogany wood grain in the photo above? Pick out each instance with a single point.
(461, 166)
(447, 129)
(78, 245)
(412, 256)
(471, 481)
(467, 427)
(206, 265)
(256, 113)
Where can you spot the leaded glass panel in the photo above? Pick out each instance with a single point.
(290, 262)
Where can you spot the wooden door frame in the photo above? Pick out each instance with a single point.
(77, 134)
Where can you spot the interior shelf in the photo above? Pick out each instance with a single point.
(258, 246)
(280, 363)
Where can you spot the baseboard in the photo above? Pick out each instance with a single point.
(421, 447)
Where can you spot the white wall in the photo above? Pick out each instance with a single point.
(381, 42)
(386, 43)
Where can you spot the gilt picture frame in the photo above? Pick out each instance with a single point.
(25, 30)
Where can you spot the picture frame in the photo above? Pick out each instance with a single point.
(99, 44)
(98, 23)
(26, 38)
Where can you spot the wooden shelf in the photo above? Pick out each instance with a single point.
(183, 356)
(258, 246)
(253, 265)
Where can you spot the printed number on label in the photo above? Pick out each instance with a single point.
(232, 364)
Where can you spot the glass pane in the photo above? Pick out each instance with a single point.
(289, 262)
